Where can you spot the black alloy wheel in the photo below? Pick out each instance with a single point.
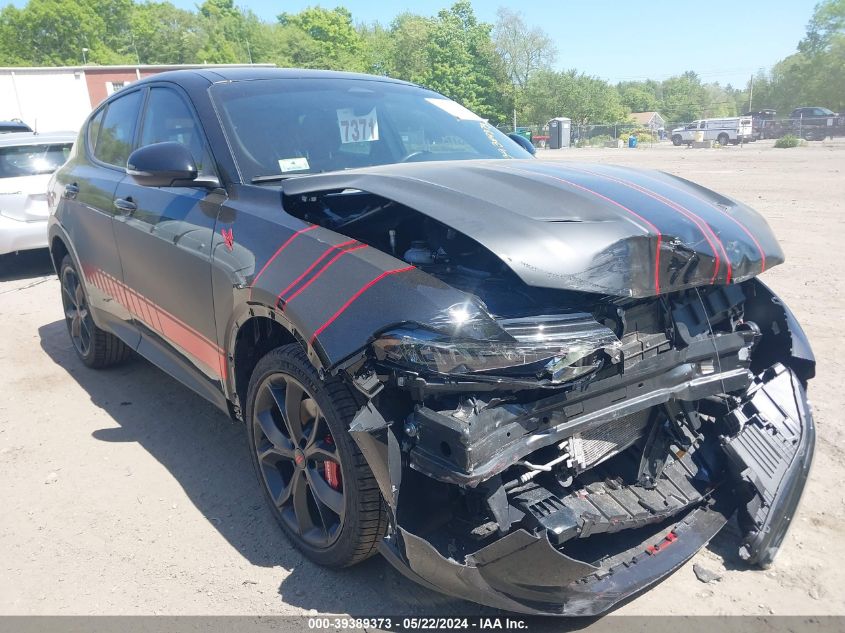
(80, 325)
(316, 481)
(95, 347)
(299, 460)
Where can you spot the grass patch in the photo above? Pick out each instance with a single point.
(789, 141)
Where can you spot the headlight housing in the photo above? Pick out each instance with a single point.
(557, 348)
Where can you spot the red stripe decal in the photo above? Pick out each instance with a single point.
(352, 299)
(312, 266)
(687, 213)
(163, 323)
(281, 248)
(323, 269)
(623, 207)
(727, 215)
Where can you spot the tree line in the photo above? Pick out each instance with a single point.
(503, 71)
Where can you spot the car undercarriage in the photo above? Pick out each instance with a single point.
(562, 483)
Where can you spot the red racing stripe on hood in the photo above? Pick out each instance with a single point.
(651, 226)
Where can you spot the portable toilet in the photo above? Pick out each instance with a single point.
(559, 131)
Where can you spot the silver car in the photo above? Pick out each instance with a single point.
(26, 162)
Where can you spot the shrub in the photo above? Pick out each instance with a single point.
(643, 136)
(788, 141)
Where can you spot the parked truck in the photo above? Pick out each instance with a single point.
(733, 130)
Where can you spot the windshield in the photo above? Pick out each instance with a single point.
(286, 127)
(31, 160)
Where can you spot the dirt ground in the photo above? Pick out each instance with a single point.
(121, 492)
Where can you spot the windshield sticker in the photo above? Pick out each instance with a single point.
(488, 131)
(455, 109)
(293, 164)
(357, 128)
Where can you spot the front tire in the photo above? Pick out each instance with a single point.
(315, 479)
(677, 140)
(95, 347)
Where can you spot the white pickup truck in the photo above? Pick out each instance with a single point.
(734, 130)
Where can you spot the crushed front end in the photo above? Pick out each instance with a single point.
(560, 462)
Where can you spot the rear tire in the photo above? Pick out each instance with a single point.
(723, 139)
(305, 466)
(96, 348)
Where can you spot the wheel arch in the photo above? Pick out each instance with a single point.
(255, 331)
(58, 250)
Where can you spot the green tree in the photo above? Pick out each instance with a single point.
(334, 41)
(408, 51)
(54, 32)
(523, 51)
(584, 99)
(225, 32)
(684, 98)
(637, 97)
(463, 64)
(164, 34)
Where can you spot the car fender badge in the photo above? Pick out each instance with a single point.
(228, 239)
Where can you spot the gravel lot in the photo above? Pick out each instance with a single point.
(124, 493)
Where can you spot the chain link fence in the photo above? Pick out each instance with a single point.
(618, 134)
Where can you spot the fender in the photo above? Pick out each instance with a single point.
(322, 288)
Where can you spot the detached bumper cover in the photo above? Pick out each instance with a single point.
(771, 455)
(525, 574)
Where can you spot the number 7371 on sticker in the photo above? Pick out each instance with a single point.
(357, 128)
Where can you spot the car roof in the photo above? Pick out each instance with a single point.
(13, 139)
(13, 123)
(215, 75)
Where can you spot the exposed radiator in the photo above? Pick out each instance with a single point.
(596, 445)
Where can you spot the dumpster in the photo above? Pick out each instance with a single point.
(525, 132)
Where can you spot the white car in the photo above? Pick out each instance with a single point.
(26, 162)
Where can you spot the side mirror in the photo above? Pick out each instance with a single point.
(163, 165)
(523, 142)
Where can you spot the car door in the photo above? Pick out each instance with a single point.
(165, 239)
(86, 186)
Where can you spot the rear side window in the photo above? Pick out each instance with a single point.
(115, 136)
(94, 129)
(167, 118)
(32, 160)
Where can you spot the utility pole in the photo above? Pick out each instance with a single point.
(751, 93)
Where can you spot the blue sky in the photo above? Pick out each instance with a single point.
(722, 40)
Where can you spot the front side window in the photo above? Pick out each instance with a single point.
(32, 160)
(116, 134)
(287, 127)
(168, 118)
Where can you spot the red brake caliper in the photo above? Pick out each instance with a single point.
(332, 469)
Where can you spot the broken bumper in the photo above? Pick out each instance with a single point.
(526, 574)
(767, 462)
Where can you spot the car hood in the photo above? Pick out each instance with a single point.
(582, 227)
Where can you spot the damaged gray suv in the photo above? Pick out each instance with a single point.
(539, 386)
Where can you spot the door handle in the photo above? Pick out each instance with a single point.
(126, 206)
(71, 191)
